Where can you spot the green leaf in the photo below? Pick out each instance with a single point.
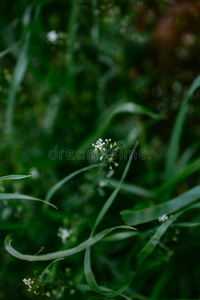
(186, 224)
(7, 196)
(20, 69)
(60, 254)
(106, 119)
(154, 240)
(133, 189)
(14, 177)
(8, 50)
(90, 278)
(59, 184)
(45, 270)
(180, 175)
(173, 149)
(119, 236)
(149, 214)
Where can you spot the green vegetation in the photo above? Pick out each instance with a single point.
(100, 185)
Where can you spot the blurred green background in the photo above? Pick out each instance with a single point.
(71, 72)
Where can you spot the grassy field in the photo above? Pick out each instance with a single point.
(99, 180)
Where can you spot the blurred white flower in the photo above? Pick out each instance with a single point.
(28, 282)
(63, 233)
(52, 36)
(163, 218)
(34, 173)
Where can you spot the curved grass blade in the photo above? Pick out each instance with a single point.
(180, 175)
(149, 214)
(106, 292)
(59, 184)
(173, 150)
(152, 243)
(133, 189)
(90, 278)
(60, 254)
(186, 224)
(18, 75)
(119, 236)
(106, 119)
(43, 273)
(9, 196)
(8, 50)
(14, 177)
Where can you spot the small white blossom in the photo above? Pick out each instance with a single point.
(63, 233)
(28, 282)
(52, 36)
(34, 173)
(163, 218)
(105, 149)
(99, 145)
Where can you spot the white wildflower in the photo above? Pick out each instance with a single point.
(34, 173)
(163, 218)
(28, 282)
(52, 36)
(106, 150)
(63, 233)
(99, 145)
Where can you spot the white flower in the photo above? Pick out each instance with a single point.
(105, 150)
(52, 36)
(163, 218)
(63, 233)
(34, 173)
(99, 145)
(28, 282)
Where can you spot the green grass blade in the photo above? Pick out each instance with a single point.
(90, 278)
(8, 50)
(154, 240)
(106, 292)
(119, 236)
(106, 119)
(18, 75)
(60, 254)
(14, 177)
(152, 243)
(186, 224)
(59, 184)
(9, 196)
(91, 281)
(114, 194)
(173, 150)
(180, 175)
(149, 214)
(45, 270)
(133, 189)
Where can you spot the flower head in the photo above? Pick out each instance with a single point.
(106, 151)
(163, 218)
(63, 233)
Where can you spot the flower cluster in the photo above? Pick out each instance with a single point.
(163, 218)
(106, 151)
(31, 284)
(63, 233)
